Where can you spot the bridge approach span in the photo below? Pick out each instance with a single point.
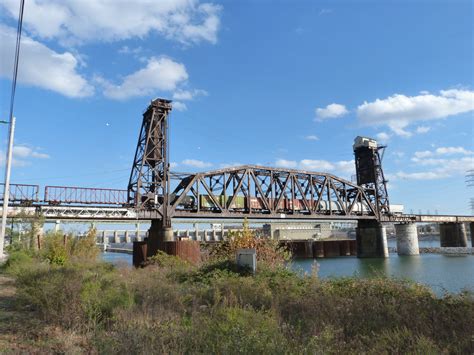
(124, 215)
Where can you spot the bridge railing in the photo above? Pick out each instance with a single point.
(55, 195)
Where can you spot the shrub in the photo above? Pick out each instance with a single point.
(84, 248)
(18, 260)
(235, 330)
(74, 296)
(56, 250)
(268, 250)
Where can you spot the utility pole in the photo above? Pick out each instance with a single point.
(6, 191)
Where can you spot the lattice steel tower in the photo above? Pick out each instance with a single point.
(370, 173)
(149, 179)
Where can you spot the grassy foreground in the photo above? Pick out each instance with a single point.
(173, 307)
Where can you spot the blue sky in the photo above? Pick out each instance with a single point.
(283, 83)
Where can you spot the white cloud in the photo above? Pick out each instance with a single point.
(229, 165)
(289, 164)
(173, 165)
(441, 151)
(331, 111)
(382, 136)
(428, 175)
(399, 111)
(311, 138)
(22, 155)
(452, 150)
(345, 167)
(316, 165)
(186, 95)
(422, 129)
(196, 163)
(160, 74)
(22, 152)
(442, 168)
(179, 106)
(77, 21)
(439, 168)
(423, 154)
(42, 67)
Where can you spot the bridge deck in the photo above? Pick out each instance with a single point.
(98, 213)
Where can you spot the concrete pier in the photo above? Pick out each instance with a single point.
(452, 234)
(371, 240)
(318, 249)
(407, 239)
(157, 234)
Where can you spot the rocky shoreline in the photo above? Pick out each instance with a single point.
(439, 250)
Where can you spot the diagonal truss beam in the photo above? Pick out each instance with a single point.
(257, 191)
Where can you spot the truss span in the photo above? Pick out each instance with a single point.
(262, 192)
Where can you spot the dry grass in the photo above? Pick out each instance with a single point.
(173, 307)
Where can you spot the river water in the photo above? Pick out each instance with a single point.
(442, 273)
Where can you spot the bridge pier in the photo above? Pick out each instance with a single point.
(407, 239)
(157, 234)
(57, 225)
(371, 239)
(471, 228)
(453, 234)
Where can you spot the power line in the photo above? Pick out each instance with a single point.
(17, 56)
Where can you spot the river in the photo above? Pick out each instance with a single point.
(440, 272)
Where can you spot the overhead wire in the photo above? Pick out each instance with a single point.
(17, 56)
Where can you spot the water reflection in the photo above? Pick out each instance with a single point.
(442, 273)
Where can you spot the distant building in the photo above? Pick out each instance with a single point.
(308, 230)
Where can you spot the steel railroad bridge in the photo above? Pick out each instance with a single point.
(254, 192)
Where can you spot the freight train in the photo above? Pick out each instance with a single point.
(257, 203)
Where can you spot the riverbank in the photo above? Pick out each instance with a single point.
(174, 307)
(441, 250)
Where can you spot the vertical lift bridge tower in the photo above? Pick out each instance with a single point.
(371, 235)
(149, 185)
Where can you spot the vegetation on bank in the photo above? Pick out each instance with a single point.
(171, 306)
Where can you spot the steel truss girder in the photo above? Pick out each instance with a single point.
(86, 213)
(269, 192)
